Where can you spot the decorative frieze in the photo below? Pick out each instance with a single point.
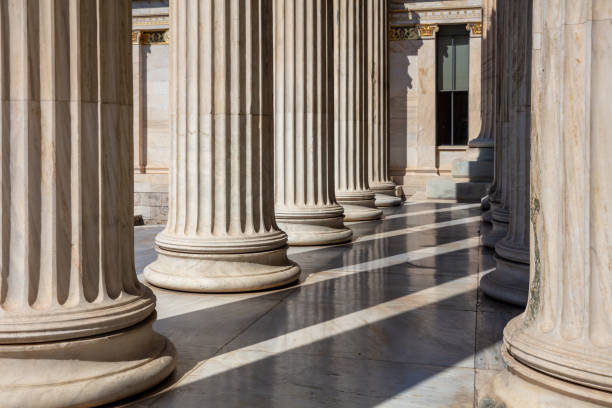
(147, 21)
(413, 32)
(435, 16)
(161, 37)
(403, 33)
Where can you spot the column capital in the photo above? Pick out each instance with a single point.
(475, 29)
(428, 31)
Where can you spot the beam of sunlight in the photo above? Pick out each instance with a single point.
(408, 257)
(299, 338)
(394, 233)
(171, 305)
(436, 211)
(425, 212)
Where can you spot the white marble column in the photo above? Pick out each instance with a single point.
(350, 112)
(559, 351)
(499, 213)
(306, 207)
(509, 282)
(221, 234)
(75, 323)
(378, 104)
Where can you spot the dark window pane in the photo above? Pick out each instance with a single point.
(460, 117)
(443, 120)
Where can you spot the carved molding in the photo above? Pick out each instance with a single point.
(147, 21)
(435, 16)
(160, 37)
(427, 31)
(475, 29)
(403, 33)
(413, 32)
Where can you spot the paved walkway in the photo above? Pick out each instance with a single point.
(394, 319)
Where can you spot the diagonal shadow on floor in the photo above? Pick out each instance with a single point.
(393, 354)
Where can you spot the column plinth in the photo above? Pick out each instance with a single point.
(559, 351)
(350, 112)
(306, 207)
(500, 217)
(75, 323)
(378, 105)
(221, 234)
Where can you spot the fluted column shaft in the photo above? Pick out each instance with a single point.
(378, 104)
(559, 351)
(350, 111)
(490, 30)
(221, 234)
(509, 282)
(492, 121)
(488, 74)
(306, 207)
(500, 200)
(66, 188)
(495, 23)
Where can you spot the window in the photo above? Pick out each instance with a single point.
(453, 56)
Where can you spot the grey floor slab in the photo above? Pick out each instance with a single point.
(395, 319)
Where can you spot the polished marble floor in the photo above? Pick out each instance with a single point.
(393, 319)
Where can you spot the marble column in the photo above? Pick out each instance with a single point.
(477, 166)
(75, 323)
(559, 351)
(499, 213)
(493, 97)
(509, 282)
(350, 112)
(306, 207)
(378, 104)
(489, 63)
(221, 234)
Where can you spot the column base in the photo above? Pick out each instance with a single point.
(499, 219)
(385, 194)
(519, 386)
(485, 205)
(487, 216)
(216, 273)
(386, 200)
(485, 230)
(508, 282)
(359, 206)
(85, 372)
(324, 226)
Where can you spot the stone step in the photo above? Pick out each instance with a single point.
(450, 189)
